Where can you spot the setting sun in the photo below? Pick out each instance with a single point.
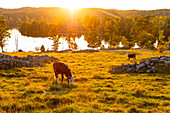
(71, 5)
(72, 8)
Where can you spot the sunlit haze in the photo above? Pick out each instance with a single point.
(76, 4)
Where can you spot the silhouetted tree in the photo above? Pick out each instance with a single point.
(124, 41)
(70, 38)
(111, 32)
(42, 48)
(4, 34)
(93, 37)
(55, 36)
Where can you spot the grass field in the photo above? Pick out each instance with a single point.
(94, 89)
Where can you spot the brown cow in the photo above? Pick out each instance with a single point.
(61, 68)
(133, 55)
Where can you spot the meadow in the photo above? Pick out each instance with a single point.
(94, 90)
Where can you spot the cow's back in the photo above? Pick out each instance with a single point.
(59, 67)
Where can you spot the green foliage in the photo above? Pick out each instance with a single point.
(93, 37)
(124, 41)
(161, 38)
(111, 31)
(102, 47)
(35, 28)
(4, 33)
(145, 39)
(55, 35)
(70, 38)
(161, 48)
(161, 43)
(42, 48)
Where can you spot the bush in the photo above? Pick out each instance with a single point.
(42, 48)
(161, 48)
(37, 48)
(102, 47)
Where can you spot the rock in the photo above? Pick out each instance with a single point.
(167, 63)
(129, 70)
(152, 65)
(164, 58)
(149, 71)
(148, 66)
(8, 62)
(147, 62)
(140, 66)
(154, 60)
(143, 60)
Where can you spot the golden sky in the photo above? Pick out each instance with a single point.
(75, 4)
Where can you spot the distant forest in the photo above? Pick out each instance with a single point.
(16, 16)
(110, 25)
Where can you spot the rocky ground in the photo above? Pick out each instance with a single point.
(9, 62)
(150, 65)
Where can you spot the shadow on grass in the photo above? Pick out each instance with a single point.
(12, 73)
(61, 88)
(140, 94)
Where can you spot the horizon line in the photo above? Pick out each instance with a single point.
(86, 8)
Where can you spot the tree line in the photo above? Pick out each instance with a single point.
(16, 16)
(142, 29)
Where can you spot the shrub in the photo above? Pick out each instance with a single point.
(102, 47)
(37, 48)
(42, 48)
(161, 48)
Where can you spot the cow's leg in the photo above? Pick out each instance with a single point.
(68, 80)
(56, 75)
(62, 78)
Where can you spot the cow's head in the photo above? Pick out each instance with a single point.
(69, 75)
(71, 80)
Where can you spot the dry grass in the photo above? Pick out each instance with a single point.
(94, 90)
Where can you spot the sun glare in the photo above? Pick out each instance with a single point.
(72, 8)
(71, 5)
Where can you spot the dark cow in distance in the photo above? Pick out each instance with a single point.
(61, 68)
(132, 55)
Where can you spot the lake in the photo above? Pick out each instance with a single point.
(30, 43)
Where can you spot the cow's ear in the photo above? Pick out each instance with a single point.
(74, 76)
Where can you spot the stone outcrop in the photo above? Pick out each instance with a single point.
(9, 62)
(151, 65)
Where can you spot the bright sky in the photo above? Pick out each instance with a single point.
(75, 4)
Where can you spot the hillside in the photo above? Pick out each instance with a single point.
(99, 12)
(16, 16)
